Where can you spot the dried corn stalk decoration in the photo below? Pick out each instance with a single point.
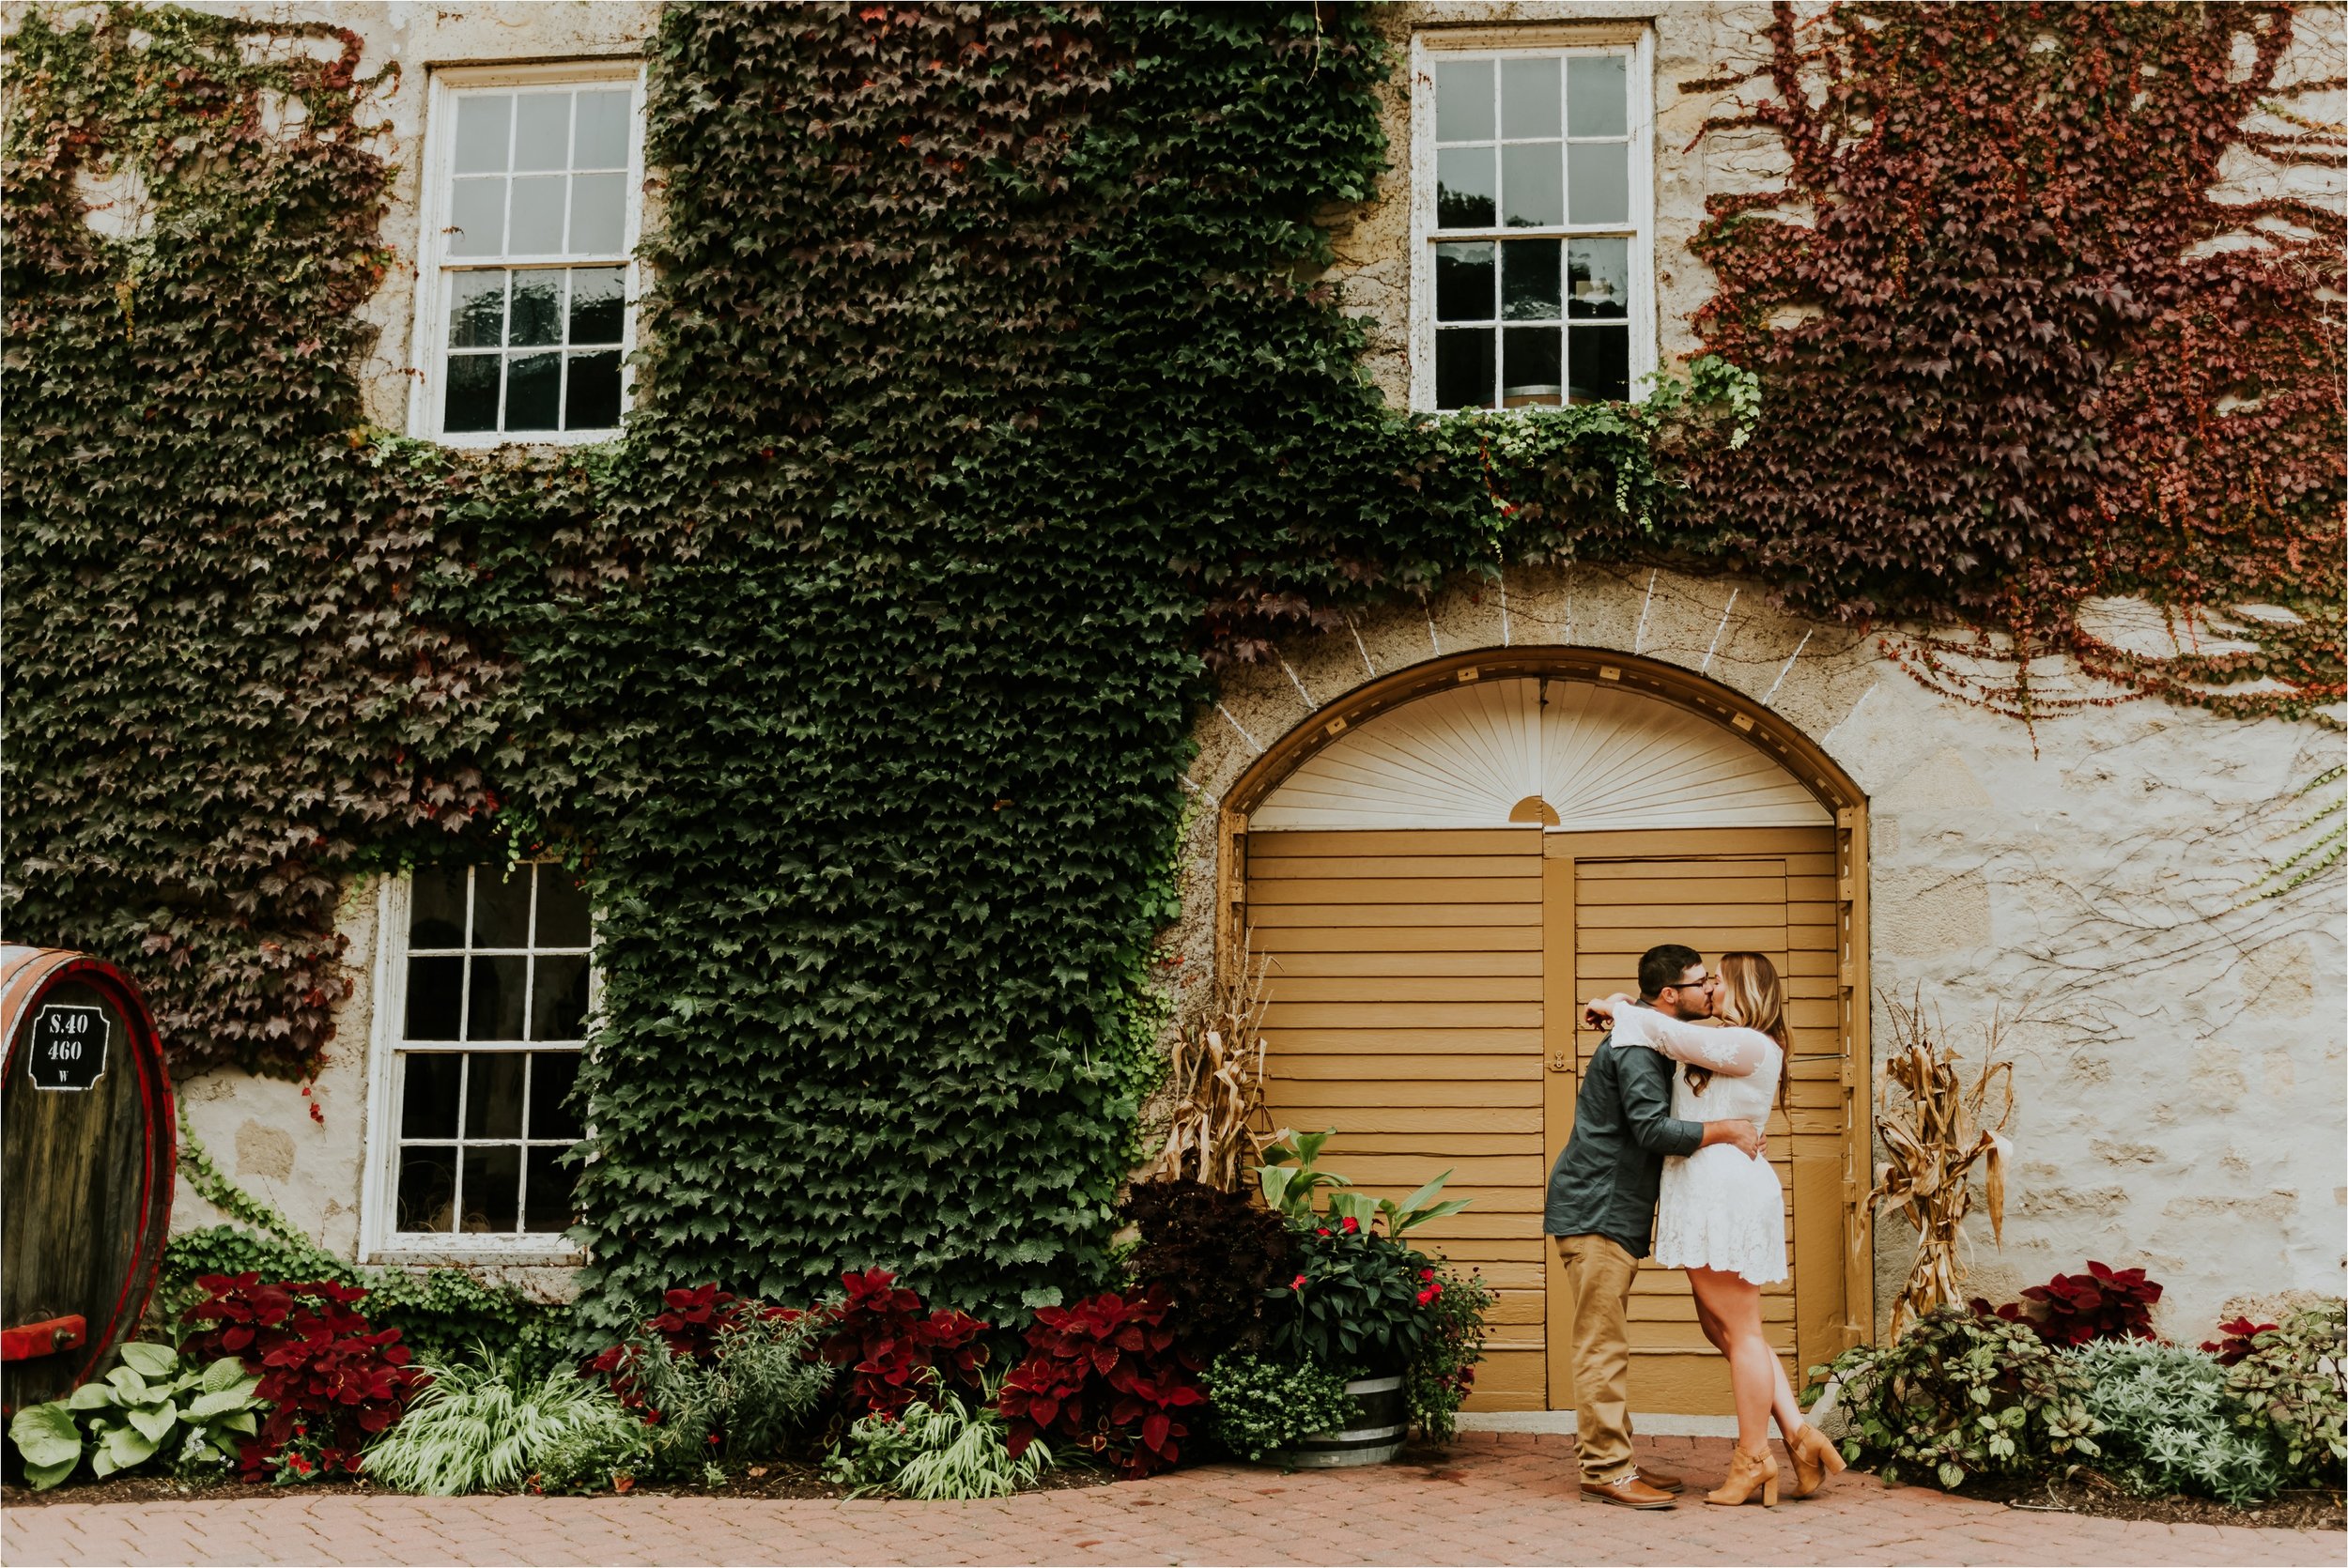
(1218, 1129)
(1935, 1139)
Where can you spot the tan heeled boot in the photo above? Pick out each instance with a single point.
(1814, 1457)
(1748, 1473)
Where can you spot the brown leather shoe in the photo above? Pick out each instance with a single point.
(1662, 1481)
(1629, 1492)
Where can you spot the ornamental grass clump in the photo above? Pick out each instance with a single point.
(943, 1448)
(720, 1377)
(483, 1426)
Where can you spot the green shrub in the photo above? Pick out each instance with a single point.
(1256, 1408)
(761, 1381)
(483, 1425)
(2294, 1383)
(2169, 1424)
(443, 1314)
(157, 1403)
(1961, 1394)
(941, 1449)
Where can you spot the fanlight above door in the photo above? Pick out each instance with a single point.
(1575, 756)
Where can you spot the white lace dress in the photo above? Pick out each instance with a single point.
(1719, 1208)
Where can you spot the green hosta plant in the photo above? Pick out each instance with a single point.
(156, 1405)
(942, 1448)
(2294, 1383)
(1255, 1406)
(480, 1426)
(1960, 1394)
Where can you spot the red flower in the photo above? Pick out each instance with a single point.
(1323, 1231)
(1427, 1273)
(1351, 1224)
(1426, 1296)
(1297, 1284)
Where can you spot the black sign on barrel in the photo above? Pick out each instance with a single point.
(88, 1146)
(69, 1046)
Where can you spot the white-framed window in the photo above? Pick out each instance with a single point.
(483, 985)
(526, 284)
(1532, 223)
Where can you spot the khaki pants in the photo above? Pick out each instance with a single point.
(1598, 1272)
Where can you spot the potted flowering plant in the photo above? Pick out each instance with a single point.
(1363, 1302)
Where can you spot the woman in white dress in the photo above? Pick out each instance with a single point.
(1721, 1216)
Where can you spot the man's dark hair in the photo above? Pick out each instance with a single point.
(1665, 966)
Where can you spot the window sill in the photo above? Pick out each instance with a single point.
(537, 438)
(503, 1254)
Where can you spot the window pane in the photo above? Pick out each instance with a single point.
(537, 215)
(602, 138)
(1531, 374)
(596, 304)
(427, 1101)
(550, 1187)
(537, 317)
(1533, 186)
(481, 120)
(427, 1188)
(552, 1074)
(501, 906)
(558, 1005)
(435, 996)
(533, 391)
(1528, 97)
(1600, 275)
(598, 216)
(542, 131)
(593, 396)
(1464, 101)
(476, 310)
(1600, 363)
(562, 909)
(1463, 188)
(494, 1011)
(1529, 280)
(1463, 368)
(1596, 95)
(493, 1095)
(476, 218)
(1598, 177)
(1464, 282)
(493, 1179)
(473, 393)
(436, 907)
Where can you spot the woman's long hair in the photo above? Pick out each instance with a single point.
(1758, 997)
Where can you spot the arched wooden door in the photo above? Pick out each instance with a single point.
(1426, 972)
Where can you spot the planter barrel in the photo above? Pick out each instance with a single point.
(88, 1146)
(1374, 1438)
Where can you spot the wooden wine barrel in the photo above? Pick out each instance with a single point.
(89, 1147)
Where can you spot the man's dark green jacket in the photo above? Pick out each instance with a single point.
(1605, 1182)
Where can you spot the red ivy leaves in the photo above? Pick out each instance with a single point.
(326, 1373)
(2236, 1338)
(2026, 351)
(1105, 1374)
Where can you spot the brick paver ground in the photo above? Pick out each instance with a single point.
(1498, 1498)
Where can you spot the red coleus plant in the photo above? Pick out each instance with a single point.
(2102, 1303)
(330, 1377)
(881, 1333)
(2236, 1338)
(1106, 1374)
